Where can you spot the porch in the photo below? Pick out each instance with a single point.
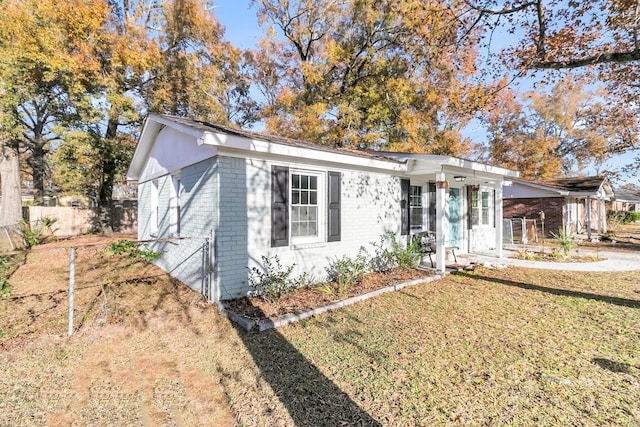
(456, 202)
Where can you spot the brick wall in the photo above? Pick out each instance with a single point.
(183, 258)
(529, 208)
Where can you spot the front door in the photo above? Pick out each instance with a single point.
(454, 217)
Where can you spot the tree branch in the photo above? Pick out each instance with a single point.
(602, 58)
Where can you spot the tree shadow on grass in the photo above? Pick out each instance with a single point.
(309, 396)
(612, 365)
(623, 302)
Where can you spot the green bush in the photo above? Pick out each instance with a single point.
(5, 287)
(39, 232)
(564, 240)
(347, 272)
(273, 280)
(400, 255)
(622, 217)
(134, 249)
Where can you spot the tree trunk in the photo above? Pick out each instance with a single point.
(108, 172)
(11, 206)
(38, 165)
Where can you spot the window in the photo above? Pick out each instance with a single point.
(174, 206)
(153, 221)
(305, 206)
(481, 207)
(415, 206)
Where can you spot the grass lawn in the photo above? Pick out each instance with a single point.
(506, 347)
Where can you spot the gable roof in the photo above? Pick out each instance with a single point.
(208, 139)
(228, 139)
(212, 127)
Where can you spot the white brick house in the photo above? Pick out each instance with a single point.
(217, 199)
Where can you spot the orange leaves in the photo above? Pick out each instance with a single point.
(380, 74)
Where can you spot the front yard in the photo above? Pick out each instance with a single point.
(514, 347)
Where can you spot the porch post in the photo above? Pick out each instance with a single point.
(602, 211)
(442, 221)
(588, 213)
(497, 212)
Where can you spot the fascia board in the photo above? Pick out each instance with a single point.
(233, 142)
(422, 163)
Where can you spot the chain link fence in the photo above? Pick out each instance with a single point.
(82, 285)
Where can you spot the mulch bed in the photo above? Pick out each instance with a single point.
(307, 298)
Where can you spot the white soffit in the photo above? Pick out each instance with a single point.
(172, 151)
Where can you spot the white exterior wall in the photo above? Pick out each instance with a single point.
(482, 239)
(183, 255)
(369, 208)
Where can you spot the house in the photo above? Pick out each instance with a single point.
(625, 201)
(216, 200)
(574, 205)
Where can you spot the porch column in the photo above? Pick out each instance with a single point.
(602, 211)
(497, 215)
(565, 215)
(588, 214)
(442, 221)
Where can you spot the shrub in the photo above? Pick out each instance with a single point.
(347, 272)
(39, 232)
(134, 249)
(5, 287)
(564, 240)
(273, 280)
(400, 255)
(621, 217)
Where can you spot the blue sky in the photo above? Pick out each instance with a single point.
(240, 22)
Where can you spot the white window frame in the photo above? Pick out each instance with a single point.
(478, 220)
(321, 227)
(174, 205)
(416, 201)
(154, 203)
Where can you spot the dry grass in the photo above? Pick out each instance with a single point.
(514, 347)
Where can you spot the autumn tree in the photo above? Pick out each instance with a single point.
(46, 62)
(81, 75)
(551, 132)
(377, 74)
(598, 38)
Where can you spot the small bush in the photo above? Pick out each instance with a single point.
(273, 280)
(405, 256)
(621, 217)
(39, 232)
(134, 249)
(347, 272)
(564, 240)
(5, 287)
(400, 255)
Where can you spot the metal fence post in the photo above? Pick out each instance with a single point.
(72, 277)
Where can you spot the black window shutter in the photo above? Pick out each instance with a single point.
(404, 205)
(279, 206)
(334, 207)
(432, 206)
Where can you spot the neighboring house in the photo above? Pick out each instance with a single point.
(216, 200)
(574, 205)
(623, 201)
